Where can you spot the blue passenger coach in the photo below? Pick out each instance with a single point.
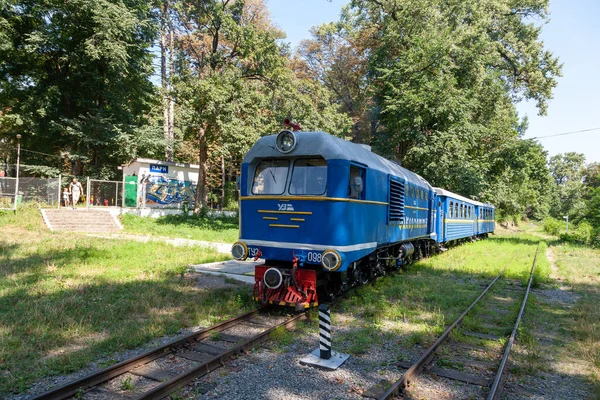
(327, 214)
(459, 217)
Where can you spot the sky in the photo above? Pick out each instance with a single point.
(572, 34)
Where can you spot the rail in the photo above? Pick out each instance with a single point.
(95, 379)
(416, 368)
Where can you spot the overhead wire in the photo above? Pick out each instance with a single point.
(564, 133)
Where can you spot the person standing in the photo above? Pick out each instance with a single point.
(76, 189)
(66, 195)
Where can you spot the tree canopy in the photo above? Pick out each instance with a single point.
(431, 84)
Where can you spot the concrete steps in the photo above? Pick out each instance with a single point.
(81, 220)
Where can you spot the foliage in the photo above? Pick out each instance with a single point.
(553, 226)
(433, 84)
(234, 83)
(74, 80)
(567, 170)
(581, 233)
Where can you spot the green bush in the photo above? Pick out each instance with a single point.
(595, 241)
(582, 233)
(552, 226)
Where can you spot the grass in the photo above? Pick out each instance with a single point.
(580, 267)
(67, 299)
(223, 229)
(410, 310)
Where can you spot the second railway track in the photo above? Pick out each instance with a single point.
(487, 374)
(165, 369)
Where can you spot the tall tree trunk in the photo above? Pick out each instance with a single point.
(164, 77)
(202, 159)
(223, 183)
(170, 88)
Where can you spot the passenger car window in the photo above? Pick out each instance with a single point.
(309, 176)
(270, 177)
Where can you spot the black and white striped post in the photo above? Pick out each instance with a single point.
(325, 331)
(324, 357)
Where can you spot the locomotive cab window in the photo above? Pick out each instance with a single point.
(309, 177)
(270, 177)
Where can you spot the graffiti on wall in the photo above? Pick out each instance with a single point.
(163, 191)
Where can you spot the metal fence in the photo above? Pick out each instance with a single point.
(101, 193)
(40, 190)
(7, 193)
(104, 193)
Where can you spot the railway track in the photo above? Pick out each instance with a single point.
(505, 298)
(165, 369)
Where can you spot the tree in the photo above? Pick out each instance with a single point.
(234, 83)
(336, 58)
(591, 175)
(441, 79)
(74, 79)
(567, 170)
(166, 75)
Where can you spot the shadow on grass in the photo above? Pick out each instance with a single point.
(62, 332)
(42, 260)
(530, 241)
(416, 296)
(7, 249)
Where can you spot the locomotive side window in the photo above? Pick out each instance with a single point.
(309, 176)
(450, 213)
(270, 177)
(356, 172)
(456, 215)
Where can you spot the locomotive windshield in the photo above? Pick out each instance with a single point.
(309, 176)
(270, 177)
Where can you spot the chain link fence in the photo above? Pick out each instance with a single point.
(40, 190)
(7, 193)
(52, 192)
(105, 193)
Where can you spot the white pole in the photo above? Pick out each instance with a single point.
(18, 163)
(123, 191)
(87, 194)
(59, 189)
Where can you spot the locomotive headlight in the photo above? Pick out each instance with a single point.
(273, 278)
(239, 251)
(331, 260)
(286, 141)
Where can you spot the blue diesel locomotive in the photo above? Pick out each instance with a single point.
(327, 214)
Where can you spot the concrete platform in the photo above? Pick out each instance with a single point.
(240, 270)
(333, 363)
